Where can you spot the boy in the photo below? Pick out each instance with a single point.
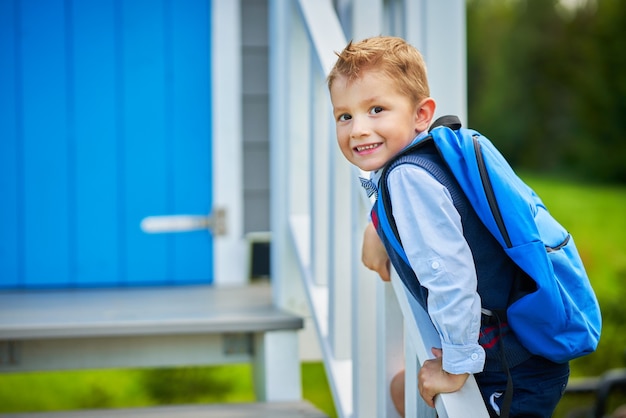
(382, 104)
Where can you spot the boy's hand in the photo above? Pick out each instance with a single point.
(373, 254)
(433, 380)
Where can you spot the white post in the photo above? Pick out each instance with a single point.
(277, 366)
(414, 406)
(319, 176)
(367, 19)
(227, 139)
(369, 395)
(283, 263)
(340, 246)
(365, 337)
(390, 326)
(437, 28)
(287, 281)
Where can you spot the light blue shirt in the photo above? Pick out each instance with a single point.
(432, 236)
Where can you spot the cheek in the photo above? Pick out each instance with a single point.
(343, 142)
(345, 149)
(343, 137)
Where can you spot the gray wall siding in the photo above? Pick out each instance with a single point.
(255, 116)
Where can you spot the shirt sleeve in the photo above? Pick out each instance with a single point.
(432, 236)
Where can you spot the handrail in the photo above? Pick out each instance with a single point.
(367, 330)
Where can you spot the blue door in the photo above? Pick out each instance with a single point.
(105, 118)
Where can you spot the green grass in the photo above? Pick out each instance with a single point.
(52, 391)
(315, 388)
(71, 390)
(595, 215)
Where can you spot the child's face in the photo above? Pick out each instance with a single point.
(374, 121)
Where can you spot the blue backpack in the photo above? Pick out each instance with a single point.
(561, 319)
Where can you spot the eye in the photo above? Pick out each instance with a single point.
(376, 109)
(344, 117)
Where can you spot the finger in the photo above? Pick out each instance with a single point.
(385, 274)
(437, 352)
(427, 395)
(428, 399)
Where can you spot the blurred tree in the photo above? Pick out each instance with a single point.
(547, 83)
(599, 82)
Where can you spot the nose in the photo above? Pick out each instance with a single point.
(360, 128)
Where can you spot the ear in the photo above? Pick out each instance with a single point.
(424, 114)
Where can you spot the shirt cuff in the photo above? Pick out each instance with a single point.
(459, 359)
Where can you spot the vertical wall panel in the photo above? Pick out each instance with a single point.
(45, 145)
(10, 155)
(255, 83)
(190, 134)
(96, 175)
(145, 157)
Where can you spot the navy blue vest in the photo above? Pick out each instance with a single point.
(498, 276)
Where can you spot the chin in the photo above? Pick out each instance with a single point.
(370, 167)
(367, 164)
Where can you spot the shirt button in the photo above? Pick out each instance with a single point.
(474, 356)
(435, 265)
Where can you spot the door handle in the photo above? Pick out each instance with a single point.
(215, 222)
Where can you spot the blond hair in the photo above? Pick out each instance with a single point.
(390, 55)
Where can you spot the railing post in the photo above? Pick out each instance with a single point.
(365, 308)
(364, 347)
(277, 366)
(390, 356)
(342, 273)
(279, 104)
(228, 138)
(320, 191)
(367, 19)
(444, 49)
(370, 392)
(286, 277)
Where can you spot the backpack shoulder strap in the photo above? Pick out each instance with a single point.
(383, 203)
(450, 121)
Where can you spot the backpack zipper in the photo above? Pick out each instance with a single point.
(491, 197)
(560, 246)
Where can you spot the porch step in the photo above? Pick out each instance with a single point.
(301, 409)
(135, 327)
(66, 313)
(158, 327)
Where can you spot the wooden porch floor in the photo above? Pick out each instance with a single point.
(300, 409)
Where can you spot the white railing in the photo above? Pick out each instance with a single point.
(367, 330)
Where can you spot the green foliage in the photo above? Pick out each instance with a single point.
(199, 384)
(548, 84)
(54, 391)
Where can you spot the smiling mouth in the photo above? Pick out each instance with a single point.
(366, 147)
